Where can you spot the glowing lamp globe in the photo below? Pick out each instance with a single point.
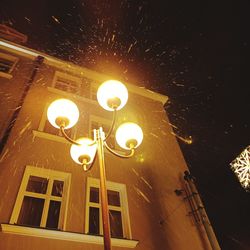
(84, 153)
(63, 112)
(112, 95)
(129, 135)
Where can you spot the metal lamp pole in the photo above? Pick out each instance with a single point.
(103, 189)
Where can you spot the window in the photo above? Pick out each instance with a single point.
(7, 64)
(97, 122)
(42, 199)
(117, 205)
(67, 83)
(81, 86)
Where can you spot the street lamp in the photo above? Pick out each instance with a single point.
(63, 114)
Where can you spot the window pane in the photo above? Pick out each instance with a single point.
(57, 189)
(113, 198)
(94, 125)
(94, 195)
(37, 184)
(94, 220)
(5, 65)
(48, 128)
(53, 214)
(31, 211)
(72, 88)
(60, 84)
(115, 219)
(67, 85)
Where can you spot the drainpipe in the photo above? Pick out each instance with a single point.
(37, 62)
(204, 218)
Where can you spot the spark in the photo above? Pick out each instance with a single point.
(172, 125)
(55, 19)
(26, 18)
(139, 192)
(40, 79)
(26, 127)
(158, 111)
(18, 107)
(4, 154)
(156, 136)
(188, 140)
(140, 158)
(163, 132)
(146, 182)
(102, 23)
(130, 47)
(136, 173)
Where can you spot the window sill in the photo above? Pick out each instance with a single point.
(6, 75)
(48, 136)
(57, 138)
(61, 235)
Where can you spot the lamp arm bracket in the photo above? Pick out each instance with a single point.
(87, 167)
(67, 137)
(132, 151)
(71, 140)
(112, 125)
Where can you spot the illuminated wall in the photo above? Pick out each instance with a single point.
(158, 218)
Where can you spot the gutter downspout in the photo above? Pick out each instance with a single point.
(204, 218)
(37, 62)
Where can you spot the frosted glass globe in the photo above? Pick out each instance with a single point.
(63, 111)
(129, 135)
(83, 153)
(112, 95)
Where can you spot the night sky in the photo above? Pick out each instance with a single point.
(195, 52)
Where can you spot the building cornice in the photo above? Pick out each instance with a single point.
(77, 70)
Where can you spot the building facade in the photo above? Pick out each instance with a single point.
(49, 202)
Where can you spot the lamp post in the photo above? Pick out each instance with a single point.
(63, 114)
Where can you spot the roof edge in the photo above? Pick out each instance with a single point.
(70, 67)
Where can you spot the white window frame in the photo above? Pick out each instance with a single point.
(59, 74)
(113, 186)
(51, 175)
(43, 134)
(11, 59)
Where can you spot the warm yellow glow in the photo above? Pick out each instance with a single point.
(84, 152)
(63, 110)
(129, 134)
(111, 93)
